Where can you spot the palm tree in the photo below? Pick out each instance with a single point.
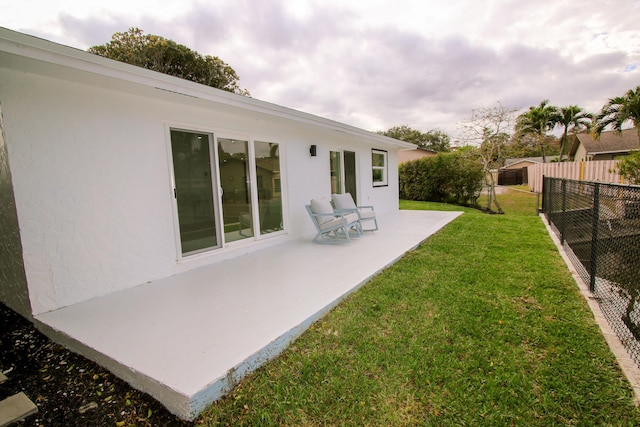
(538, 121)
(573, 119)
(619, 111)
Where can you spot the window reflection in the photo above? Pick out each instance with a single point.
(268, 186)
(236, 194)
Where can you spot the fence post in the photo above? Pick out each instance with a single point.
(564, 208)
(595, 219)
(544, 197)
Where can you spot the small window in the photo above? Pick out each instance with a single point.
(379, 167)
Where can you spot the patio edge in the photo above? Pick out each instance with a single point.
(222, 386)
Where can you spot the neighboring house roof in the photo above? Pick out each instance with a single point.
(532, 160)
(415, 154)
(610, 142)
(29, 53)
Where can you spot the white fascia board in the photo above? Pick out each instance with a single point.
(35, 48)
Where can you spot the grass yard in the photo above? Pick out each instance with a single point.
(480, 325)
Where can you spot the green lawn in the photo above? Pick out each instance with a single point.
(481, 325)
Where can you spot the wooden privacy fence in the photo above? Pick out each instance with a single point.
(597, 171)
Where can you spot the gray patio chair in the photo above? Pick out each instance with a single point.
(345, 203)
(330, 224)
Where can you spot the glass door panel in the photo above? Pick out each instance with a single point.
(269, 192)
(194, 191)
(350, 177)
(233, 160)
(335, 165)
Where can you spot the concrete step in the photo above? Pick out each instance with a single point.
(16, 407)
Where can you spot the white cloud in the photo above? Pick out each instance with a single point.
(376, 63)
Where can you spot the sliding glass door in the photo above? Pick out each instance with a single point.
(350, 175)
(342, 165)
(216, 195)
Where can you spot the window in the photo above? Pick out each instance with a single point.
(379, 167)
(267, 157)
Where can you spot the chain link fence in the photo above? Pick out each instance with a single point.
(599, 227)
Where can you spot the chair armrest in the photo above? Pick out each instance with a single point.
(365, 207)
(332, 214)
(345, 211)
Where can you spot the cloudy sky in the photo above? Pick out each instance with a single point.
(375, 63)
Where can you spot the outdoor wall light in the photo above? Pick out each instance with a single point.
(312, 151)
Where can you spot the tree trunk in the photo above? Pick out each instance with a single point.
(563, 144)
(492, 195)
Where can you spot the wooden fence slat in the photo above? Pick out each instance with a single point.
(597, 170)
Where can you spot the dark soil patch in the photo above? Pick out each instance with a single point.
(68, 389)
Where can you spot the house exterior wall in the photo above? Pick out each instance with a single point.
(91, 172)
(519, 165)
(581, 154)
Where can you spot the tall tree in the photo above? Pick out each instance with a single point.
(168, 57)
(437, 140)
(434, 139)
(528, 145)
(538, 121)
(489, 129)
(573, 119)
(618, 112)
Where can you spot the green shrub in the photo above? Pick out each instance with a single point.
(447, 177)
(629, 167)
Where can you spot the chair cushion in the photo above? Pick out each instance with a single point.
(343, 201)
(331, 224)
(337, 222)
(351, 218)
(322, 206)
(367, 214)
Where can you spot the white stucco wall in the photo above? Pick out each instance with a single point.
(92, 182)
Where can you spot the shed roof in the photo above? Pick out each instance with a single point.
(509, 162)
(23, 52)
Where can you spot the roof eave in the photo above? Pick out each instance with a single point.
(53, 53)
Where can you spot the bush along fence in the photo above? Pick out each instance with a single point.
(447, 177)
(599, 227)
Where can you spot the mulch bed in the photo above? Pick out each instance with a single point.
(68, 389)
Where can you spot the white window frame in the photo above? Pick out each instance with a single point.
(384, 182)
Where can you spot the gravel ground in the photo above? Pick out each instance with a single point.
(68, 389)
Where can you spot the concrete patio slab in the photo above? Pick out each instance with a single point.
(188, 339)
